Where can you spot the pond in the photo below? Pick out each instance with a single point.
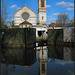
(45, 60)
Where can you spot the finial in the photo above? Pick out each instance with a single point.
(25, 4)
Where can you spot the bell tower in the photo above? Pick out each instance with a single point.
(42, 12)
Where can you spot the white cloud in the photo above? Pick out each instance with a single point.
(55, 14)
(48, 6)
(14, 7)
(65, 4)
(54, 19)
(70, 9)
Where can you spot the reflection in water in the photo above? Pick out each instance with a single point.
(55, 53)
(63, 53)
(23, 57)
(63, 60)
(50, 60)
(42, 61)
(69, 54)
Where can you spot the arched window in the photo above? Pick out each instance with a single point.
(42, 3)
(42, 17)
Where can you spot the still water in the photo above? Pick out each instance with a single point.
(48, 60)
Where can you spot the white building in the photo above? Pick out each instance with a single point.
(25, 17)
(42, 12)
(28, 15)
(24, 14)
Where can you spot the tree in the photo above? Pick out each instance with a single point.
(62, 19)
(72, 23)
(3, 26)
(3, 14)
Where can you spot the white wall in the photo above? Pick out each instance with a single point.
(18, 16)
(40, 29)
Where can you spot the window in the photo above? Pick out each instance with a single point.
(42, 17)
(42, 3)
(43, 68)
(25, 16)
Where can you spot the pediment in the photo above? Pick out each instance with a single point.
(24, 8)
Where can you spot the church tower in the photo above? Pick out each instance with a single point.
(42, 12)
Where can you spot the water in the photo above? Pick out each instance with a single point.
(49, 60)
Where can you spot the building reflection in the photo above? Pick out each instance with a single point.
(62, 53)
(4, 71)
(23, 57)
(69, 54)
(42, 55)
(27, 56)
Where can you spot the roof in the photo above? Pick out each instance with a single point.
(25, 22)
(52, 24)
(22, 8)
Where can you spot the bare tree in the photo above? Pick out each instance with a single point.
(3, 13)
(71, 23)
(62, 19)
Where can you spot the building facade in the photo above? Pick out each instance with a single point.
(24, 14)
(42, 12)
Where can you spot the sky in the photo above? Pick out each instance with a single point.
(54, 7)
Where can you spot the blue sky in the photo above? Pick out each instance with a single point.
(54, 7)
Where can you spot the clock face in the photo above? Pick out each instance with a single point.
(25, 16)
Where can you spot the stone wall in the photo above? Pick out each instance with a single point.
(68, 35)
(69, 53)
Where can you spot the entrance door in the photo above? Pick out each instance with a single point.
(40, 33)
